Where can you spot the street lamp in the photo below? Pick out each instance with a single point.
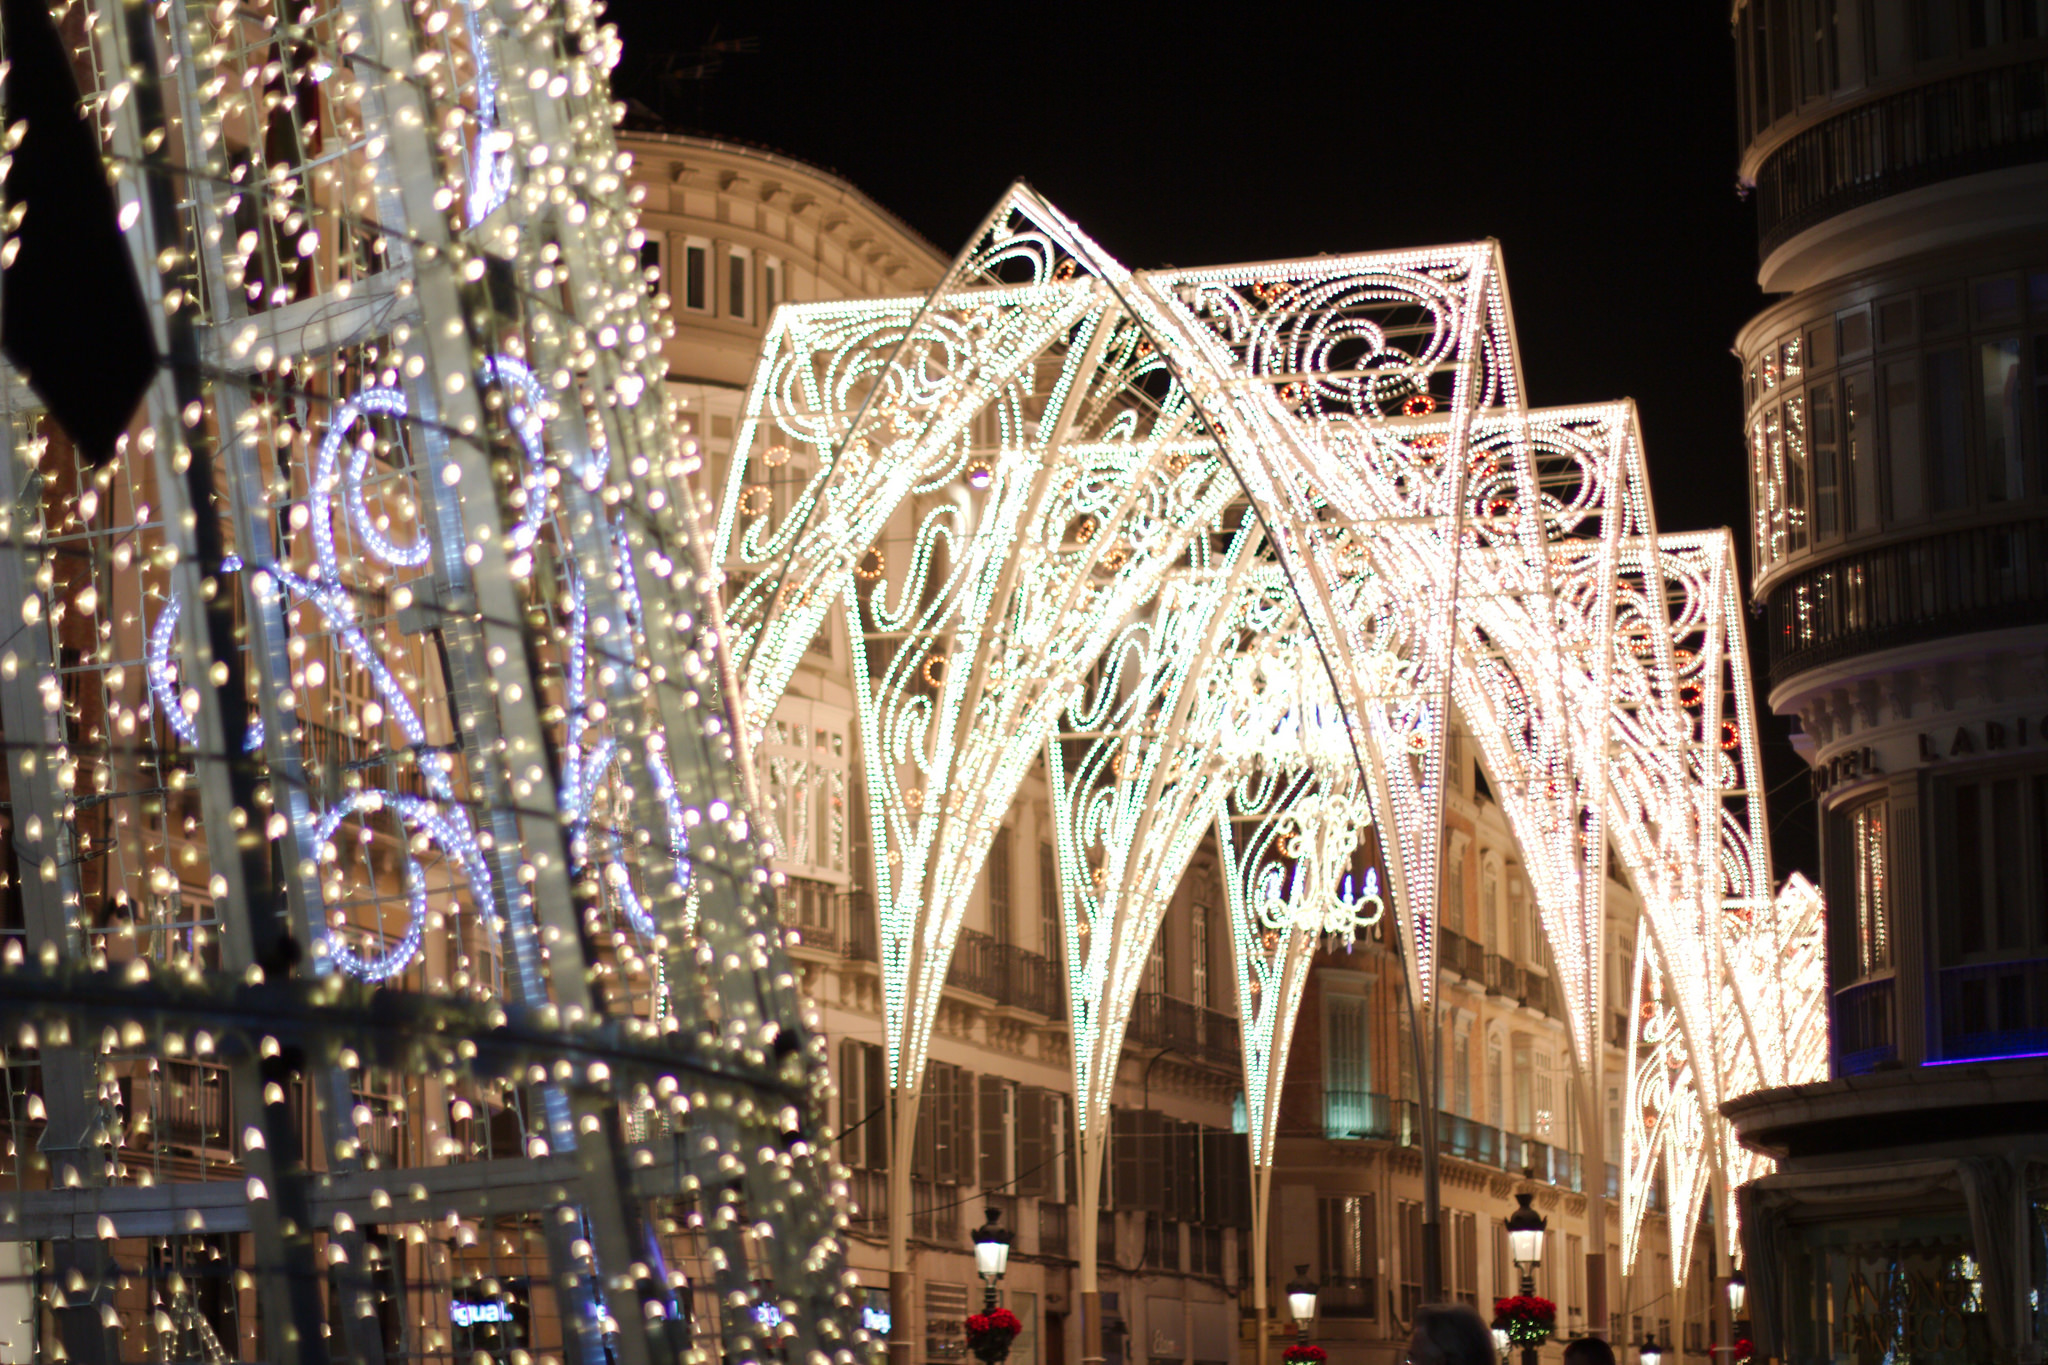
(1652, 1353)
(1525, 1240)
(1525, 1248)
(1301, 1301)
(992, 1254)
(1738, 1294)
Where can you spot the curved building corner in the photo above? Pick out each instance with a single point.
(1896, 413)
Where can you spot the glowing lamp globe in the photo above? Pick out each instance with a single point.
(1525, 1234)
(1738, 1294)
(992, 1247)
(1301, 1296)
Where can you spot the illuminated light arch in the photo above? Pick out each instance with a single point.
(999, 483)
(1737, 969)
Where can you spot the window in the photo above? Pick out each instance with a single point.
(1461, 1070)
(1199, 916)
(739, 278)
(1859, 453)
(1521, 946)
(1049, 904)
(1867, 867)
(650, 264)
(1496, 1109)
(1349, 1238)
(998, 873)
(1408, 1224)
(1891, 33)
(2004, 448)
(697, 275)
(997, 1107)
(1454, 885)
(1155, 965)
(1575, 1277)
(1994, 890)
(1525, 1088)
(863, 1089)
(1795, 475)
(1906, 467)
(1947, 423)
(1464, 1249)
(1489, 904)
(1855, 332)
(1827, 476)
(1347, 1066)
(772, 294)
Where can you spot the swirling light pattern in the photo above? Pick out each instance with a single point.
(1009, 488)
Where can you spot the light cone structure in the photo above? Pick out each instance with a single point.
(389, 968)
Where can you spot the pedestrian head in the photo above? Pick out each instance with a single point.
(1588, 1351)
(1450, 1334)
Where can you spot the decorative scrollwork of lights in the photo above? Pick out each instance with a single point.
(1030, 448)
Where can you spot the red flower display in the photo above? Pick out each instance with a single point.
(1745, 1349)
(1298, 1354)
(989, 1334)
(1527, 1318)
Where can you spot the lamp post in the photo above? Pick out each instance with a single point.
(1525, 1248)
(1652, 1353)
(1301, 1301)
(992, 1254)
(1738, 1294)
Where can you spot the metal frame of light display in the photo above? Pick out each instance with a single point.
(393, 957)
(1016, 489)
(1737, 973)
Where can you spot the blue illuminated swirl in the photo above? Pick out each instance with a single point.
(490, 174)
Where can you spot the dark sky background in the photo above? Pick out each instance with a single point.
(1596, 140)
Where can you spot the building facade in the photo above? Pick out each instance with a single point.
(1896, 412)
(1348, 1183)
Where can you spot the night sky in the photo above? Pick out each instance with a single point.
(1596, 141)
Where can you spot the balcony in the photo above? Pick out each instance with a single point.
(1007, 974)
(1995, 1009)
(1982, 121)
(1160, 1021)
(1983, 578)
(857, 918)
(1367, 1114)
(1054, 1220)
(1461, 957)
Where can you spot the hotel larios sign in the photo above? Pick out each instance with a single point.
(1933, 746)
(1924, 1316)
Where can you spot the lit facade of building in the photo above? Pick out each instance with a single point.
(1896, 401)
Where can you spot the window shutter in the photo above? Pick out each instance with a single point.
(1034, 1170)
(1125, 1177)
(1070, 1144)
(995, 1132)
(924, 1160)
(876, 1061)
(1168, 1143)
(1239, 1165)
(966, 1146)
(853, 1104)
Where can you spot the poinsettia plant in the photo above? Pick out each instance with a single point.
(1299, 1354)
(1745, 1349)
(1527, 1318)
(989, 1334)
